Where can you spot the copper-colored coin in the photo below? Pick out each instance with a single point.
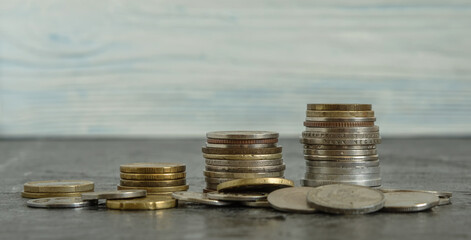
(339, 107)
(242, 141)
(152, 168)
(161, 183)
(338, 124)
(242, 150)
(310, 113)
(147, 177)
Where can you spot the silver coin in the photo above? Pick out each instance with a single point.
(341, 158)
(340, 152)
(340, 119)
(344, 130)
(269, 145)
(345, 199)
(409, 201)
(119, 194)
(440, 194)
(292, 199)
(246, 169)
(242, 135)
(60, 202)
(330, 170)
(312, 134)
(244, 163)
(218, 180)
(337, 147)
(341, 141)
(256, 204)
(316, 183)
(341, 177)
(444, 201)
(197, 197)
(342, 164)
(237, 196)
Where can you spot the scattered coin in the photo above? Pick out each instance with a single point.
(291, 199)
(50, 195)
(242, 135)
(255, 184)
(256, 204)
(145, 203)
(60, 202)
(242, 196)
(345, 199)
(243, 156)
(58, 186)
(152, 168)
(198, 198)
(444, 201)
(159, 176)
(156, 183)
(409, 201)
(438, 193)
(123, 194)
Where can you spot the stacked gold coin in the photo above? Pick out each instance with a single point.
(241, 154)
(340, 145)
(56, 188)
(156, 178)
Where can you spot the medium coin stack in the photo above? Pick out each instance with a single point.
(156, 178)
(340, 145)
(57, 188)
(241, 154)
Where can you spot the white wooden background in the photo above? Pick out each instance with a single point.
(181, 68)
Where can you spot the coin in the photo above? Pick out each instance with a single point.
(114, 194)
(160, 183)
(342, 164)
(198, 198)
(60, 202)
(244, 163)
(50, 195)
(242, 150)
(159, 176)
(246, 169)
(247, 196)
(444, 201)
(341, 177)
(310, 113)
(238, 146)
(212, 186)
(340, 158)
(254, 184)
(341, 141)
(218, 180)
(243, 156)
(58, 186)
(312, 134)
(291, 199)
(340, 119)
(146, 203)
(256, 204)
(345, 199)
(338, 124)
(151, 190)
(152, 168)
(242, 175)
(339, 107)
(242, 141)
(409, 201)
(316, 183)
(333, 170)
(205, 190)
(440, 194)
(242, 134)
(342, 147)
(340, 152)
(344, 129)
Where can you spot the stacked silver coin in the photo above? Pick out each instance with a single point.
(233, 155)
(340, 145)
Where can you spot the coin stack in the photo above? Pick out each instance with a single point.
(56, 188)
(241, 154)
(156, 178)
(340, 145)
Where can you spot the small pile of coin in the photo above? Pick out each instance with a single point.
(155, 178)
(56, 188)
(340, 145)
(241, 154)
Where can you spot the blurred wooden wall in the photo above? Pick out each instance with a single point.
(181, 68)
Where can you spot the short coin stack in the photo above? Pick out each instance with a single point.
(340, 145)
(57, 188)
(241, 154)
(156, 178)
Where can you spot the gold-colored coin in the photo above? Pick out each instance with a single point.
(255, 184)
(152, 168)
(161, 183)
(147, 203)
(161, 176)
(339, 107)
(310, 113)
(242, 175)
(242, 150)
(151, 190)
(50, 195)
(59, 186)
(243, 156)
(277, 168)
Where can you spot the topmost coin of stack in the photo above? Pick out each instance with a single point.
(340, 145)
(241, 154)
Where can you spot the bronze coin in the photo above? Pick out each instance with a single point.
(241, 150)
(338, 124)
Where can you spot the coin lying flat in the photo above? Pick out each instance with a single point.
(316, 183)
(337, 124)
(247, 196)
(243, 156)
(158, 176)
(341, 119)
(344, 129)
(242, 141)
(242, 175)
(59, 186)
(123, 194)
(152, 168)
(242, 150)
(146, 203)
(444, 201)
(256, 204)
(409, 201)
(244, 163)
(345, 199)
(339, 107)
(342, 164)
(255, 184)
(218, 180)
(241, 146)
(50, 195)
(212, 186)
(340, 152)
(198, 198)
(341, 177)
(341, 141)
(341, 158)
(339, 147)
(151, 190)
(438, 193)
(156, 183)
(246, 169)
(291, 199)
(242, 134)
(60, 202)
(333, 170)
(310, 113)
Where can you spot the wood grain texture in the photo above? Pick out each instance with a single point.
(181, 68)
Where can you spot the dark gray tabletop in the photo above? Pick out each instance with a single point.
(434, 164)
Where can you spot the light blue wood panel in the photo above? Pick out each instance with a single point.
(181, 68)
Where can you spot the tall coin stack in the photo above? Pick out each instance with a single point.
(241, 154)
(340, 145)
(156, 178)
